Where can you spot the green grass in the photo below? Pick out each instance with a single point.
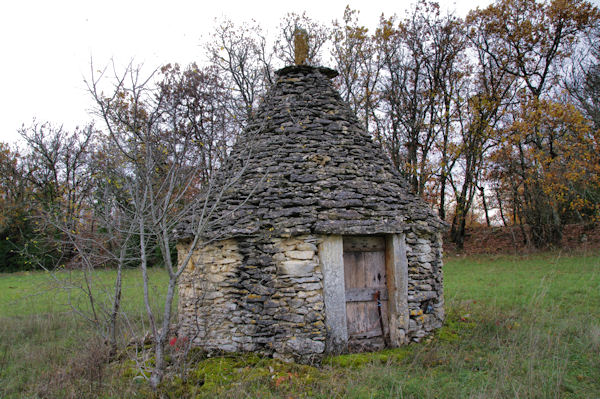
(35, 293)
(516, 327)
(42, 340)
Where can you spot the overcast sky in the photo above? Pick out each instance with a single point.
(47, 44)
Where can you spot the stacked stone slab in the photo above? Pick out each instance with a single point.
(303, 170)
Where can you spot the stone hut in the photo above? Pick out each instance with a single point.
(316, 244)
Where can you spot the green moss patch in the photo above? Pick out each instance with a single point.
(234, 375)
(359, 360)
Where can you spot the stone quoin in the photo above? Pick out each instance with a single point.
(316, 244)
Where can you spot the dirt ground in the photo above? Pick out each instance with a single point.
(509, 240)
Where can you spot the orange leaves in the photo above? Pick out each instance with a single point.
(284, 379)
(580, 13)
(554, 150)
(527, 38)
(386, 29)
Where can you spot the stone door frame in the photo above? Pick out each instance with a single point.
(331, 256)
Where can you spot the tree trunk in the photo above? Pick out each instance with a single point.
(457, 232)
(463, 203)
(159, 366)
(116, 307)
(442, 207)
(501, 208)
(485, 207)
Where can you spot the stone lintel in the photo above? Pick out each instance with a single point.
(358, 227)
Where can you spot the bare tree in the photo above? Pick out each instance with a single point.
(358, 59)
(199, 101)
(487, 96)
(59, 170)
(75, 181)
(582, 78)
(242, 57)
(162, 183)
(421, 71)
(449, 71)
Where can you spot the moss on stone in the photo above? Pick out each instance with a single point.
(216, 376)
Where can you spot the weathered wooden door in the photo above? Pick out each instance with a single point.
(366, 292)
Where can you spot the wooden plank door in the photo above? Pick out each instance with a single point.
(366, 292)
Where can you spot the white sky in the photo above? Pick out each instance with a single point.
(47, 44)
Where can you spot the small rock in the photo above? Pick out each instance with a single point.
(303, 255)
(306, 246)
(297, 267)
(305, 346)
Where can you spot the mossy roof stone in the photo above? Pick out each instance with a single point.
(305, 165)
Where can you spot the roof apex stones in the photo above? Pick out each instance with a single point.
(307, 69)
(304, 165)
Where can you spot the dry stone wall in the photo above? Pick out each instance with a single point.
(425, 282)
(206, 309)
(255, 295)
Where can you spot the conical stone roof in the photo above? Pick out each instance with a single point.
(305, 165)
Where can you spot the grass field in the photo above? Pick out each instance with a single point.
(525, 327)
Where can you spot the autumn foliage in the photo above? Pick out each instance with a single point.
(480, 114)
